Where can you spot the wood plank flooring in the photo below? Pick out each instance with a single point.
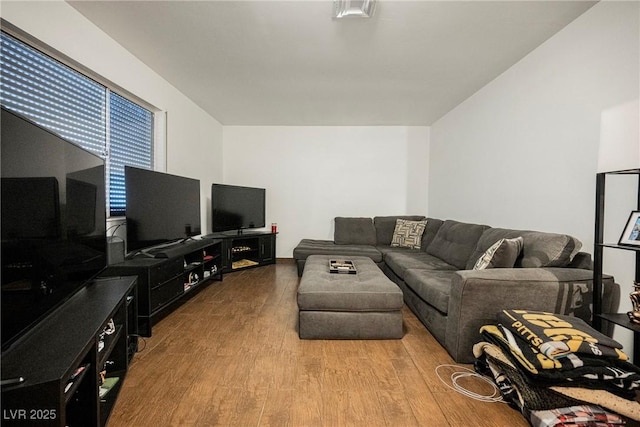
(231, 356)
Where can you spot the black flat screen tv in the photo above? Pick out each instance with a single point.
(235, 207)
(53, 222)
(161, 208)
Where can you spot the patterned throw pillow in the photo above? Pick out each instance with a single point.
(408, 234)
(502, 254)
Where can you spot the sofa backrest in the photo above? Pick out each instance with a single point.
(430, 231)
(488, 238)
(385, 225)
(354, 231)
(539, 249)
(548, 249)
(455, 242)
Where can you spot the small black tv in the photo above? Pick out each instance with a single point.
(53, 222)
(235, 207)
(161, 208)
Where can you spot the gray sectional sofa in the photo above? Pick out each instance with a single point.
(452, 299)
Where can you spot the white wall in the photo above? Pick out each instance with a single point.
(313, 174)
(194, 138)
(523, 151)
(417, 170)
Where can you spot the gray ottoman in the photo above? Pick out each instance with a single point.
(366, 305)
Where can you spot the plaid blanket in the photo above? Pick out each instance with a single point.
(575, 416)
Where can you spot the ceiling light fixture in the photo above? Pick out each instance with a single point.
(355, 8)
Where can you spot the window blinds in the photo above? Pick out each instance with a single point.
(130, 140)
(78, 109)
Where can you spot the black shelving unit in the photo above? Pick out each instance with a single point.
(599, 246)
(62, 358)
(170, 277)
(247, 250)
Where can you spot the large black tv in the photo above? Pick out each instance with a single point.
(161, 208)
(234, 207)
(53, 222)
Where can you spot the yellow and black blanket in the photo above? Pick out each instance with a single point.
(557, 336)
(538, 403)
(578, 370)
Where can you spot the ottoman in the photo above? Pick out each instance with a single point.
(365, 305)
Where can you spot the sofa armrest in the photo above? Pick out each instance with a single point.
(477, 296)
(582, 260)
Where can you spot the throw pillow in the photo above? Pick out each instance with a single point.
(408, 234)
(502, 254)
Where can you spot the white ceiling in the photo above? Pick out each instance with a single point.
(289, 63)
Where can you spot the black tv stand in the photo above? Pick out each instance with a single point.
(169, 275)
(251, 248)
(52, 374)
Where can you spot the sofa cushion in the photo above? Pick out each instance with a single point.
(399, 260)
(434, 287)
(502, 254)
(385, 226)
(354, 231)
(433, 225)
(539, 249)
(408, 234)
(455, 242)
(308, 247)
(548, 249)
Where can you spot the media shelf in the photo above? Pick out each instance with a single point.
(171, 277)
(247, 250)
(62, 358)
(620, 319)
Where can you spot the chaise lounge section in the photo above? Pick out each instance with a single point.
(440, 285)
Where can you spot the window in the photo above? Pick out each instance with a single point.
(79, 109)
(130, 142)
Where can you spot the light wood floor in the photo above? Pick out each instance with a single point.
(231, 356)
